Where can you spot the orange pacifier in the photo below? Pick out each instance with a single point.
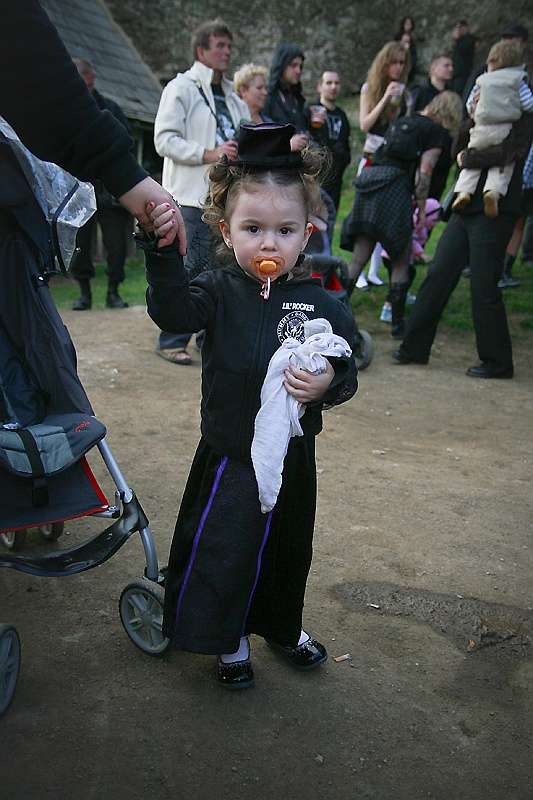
(267, 269)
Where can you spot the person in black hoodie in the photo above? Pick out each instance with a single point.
(285, 101)
(239, 564)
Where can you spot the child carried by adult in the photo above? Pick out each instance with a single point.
(238, 565)
(499, 98)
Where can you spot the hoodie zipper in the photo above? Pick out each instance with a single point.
(257, 358)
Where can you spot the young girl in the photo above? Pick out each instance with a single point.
(234, 570)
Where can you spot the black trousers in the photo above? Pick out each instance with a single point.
(480, 243)
(527, 241)
(233, 570)
(116, 230)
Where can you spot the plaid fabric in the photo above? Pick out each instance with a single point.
(383, 209)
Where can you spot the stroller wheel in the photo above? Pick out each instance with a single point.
(9, 664)
(15, 540)
(53, 531)
(363, 349)
(141, 612)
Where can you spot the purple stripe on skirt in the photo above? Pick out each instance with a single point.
(263, 543)
(198, 533)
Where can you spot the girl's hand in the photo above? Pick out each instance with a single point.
(306, 387)
(164, 219)
(146, 195)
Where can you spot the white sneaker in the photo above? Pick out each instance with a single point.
(386, 314)
(361, 282)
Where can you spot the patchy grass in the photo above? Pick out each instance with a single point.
(457, 314)
(66, 290)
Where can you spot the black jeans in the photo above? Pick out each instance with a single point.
(480, 243)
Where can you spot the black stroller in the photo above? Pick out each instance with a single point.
(333, 271)
(47, 426)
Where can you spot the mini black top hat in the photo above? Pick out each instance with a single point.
(268, 144)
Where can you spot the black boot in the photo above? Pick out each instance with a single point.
(398, 295)
(507, 281)
(85, 300)
(113, 299)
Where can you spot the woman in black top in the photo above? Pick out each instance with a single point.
(383, 204)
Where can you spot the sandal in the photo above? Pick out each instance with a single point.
(176, 355)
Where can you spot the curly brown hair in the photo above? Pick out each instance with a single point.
(228, 178)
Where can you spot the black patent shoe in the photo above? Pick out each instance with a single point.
(238, 675)
(304, 656)
(114, 300)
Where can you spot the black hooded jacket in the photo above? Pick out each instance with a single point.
(285, 104)
(243, 331)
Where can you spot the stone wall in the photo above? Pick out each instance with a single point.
(340, 34)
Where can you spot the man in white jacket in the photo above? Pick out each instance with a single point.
(197, 121)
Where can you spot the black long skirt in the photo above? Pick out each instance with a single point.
(232, 569)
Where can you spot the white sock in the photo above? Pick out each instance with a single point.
(240, 655)
(375, 261)
(304, 637)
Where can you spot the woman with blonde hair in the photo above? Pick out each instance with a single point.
(384, 98)
(250, 83)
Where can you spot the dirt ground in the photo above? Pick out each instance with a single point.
(421, 575)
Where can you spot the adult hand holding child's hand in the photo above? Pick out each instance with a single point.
(166, 220)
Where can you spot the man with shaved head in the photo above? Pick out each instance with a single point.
(334, 133)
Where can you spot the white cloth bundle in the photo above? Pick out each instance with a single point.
(279, 416)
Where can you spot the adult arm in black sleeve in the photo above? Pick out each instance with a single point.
(45, 100)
